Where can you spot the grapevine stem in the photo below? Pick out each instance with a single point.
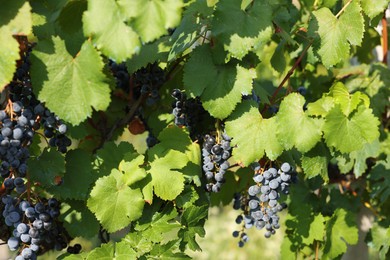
(317, 249)
(315, 4)
(121, 122)
(218, 127)
(384, 38)
(343, 9)
(47, 142)
(289, 74)
(174, 66)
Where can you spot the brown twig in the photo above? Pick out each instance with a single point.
(121, 122)
(174, 66)
(317, 249)
(384, 38)
(288, 75)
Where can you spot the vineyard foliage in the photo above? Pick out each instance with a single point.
(277, 81)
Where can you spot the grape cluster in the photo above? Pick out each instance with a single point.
(36, 228)
(261, 203)
(179, 110)
(121, 75)
(22, 117)
(302, 90)
(215, 161)
(16, 183)
(189, 112)
(147, 82)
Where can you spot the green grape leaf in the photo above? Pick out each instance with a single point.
(149, 53)
(287, 249)
(295, 127)
(178, 139)
(189, 29)
(123, 251)
(315, 162)
(138, 242)
(316, 230)
(337, 33)
(46, 167)
(78, 220)
(117, 251)
(159, 225)
(175, 138)
(167, 251)
(380, 181)
(77, 178)
(222, 95)
(8, 56)
(67, 256)
(104, 252)
(340, 231)
(257, 135)
(229, 18)
(350, 134)
(66, 19)
(83, 84)
(321, 107)
(193, 215)
(360, 157)
(272, 146)
(240, 46)
(380, 240)
(241, 30)
(153, 18)
(373, 9)
(167, 182)
(348, 102)
(15, 19)
(200, 63)
(131, 168)
(187, 198)
(110, 156)
(16, 15)
(306, 227)
(114, 203)
(111, 35)
(221, 87)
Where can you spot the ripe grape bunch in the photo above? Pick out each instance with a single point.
(215, 161)
(188, 112)
(260, 204)
(36, 228)
(21, 117)
(179, 110)
(147, 82)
